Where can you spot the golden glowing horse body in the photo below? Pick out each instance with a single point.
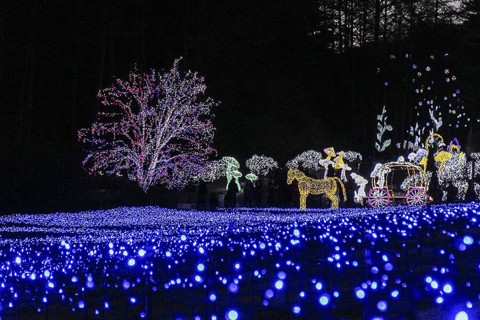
(306, 185)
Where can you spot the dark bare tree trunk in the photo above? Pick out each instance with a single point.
(2, 44)
(377, 20)
(102, 49)
(143, 27)
(112, 19)
(75, 89)
(385, 23)
(340, 27)
(26, 96)
(412, 17)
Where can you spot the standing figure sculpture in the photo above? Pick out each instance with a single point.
(306, 185)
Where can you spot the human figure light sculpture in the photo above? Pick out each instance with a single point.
(307, 185)
(232, 166)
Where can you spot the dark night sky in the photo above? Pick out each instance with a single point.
(282, 91)
(274, 81)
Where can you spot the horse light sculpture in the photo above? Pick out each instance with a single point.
(307, 185)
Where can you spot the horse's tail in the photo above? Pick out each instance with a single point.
(343, 188)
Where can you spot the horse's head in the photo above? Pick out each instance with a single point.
(292, 174)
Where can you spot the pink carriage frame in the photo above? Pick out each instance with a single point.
(381, 195)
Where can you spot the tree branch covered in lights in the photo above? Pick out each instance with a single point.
(155, 131)
(261, 165)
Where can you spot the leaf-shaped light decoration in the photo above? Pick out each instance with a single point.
(382, 127)
(386, 143)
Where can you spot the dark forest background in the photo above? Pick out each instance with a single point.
(291, 76)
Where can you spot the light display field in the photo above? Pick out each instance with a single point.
(132, 263)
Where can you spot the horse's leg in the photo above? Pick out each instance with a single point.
(333, 198)
(303, 200)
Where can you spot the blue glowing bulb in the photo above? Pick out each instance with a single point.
(462, 315)
(269, 293)
(279, 284)
(233, 287)
(200, 267)
(131, 262)
(213, 297)
(81, 304)
(468, 240)
(296, 309)
(324, 299)
(359, 293)
(447, 288)
(382, 305)
(141, 252)
(232, 315)
(74, 279)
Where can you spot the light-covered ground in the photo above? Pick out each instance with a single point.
(150, 262)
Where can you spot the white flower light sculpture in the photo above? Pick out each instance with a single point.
(261, 165)
(361, 183)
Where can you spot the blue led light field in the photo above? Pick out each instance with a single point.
(247, 263)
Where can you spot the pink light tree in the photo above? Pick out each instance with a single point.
(157, 131)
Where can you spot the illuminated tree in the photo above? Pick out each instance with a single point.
(156, 130)
(261, 165)
(310, 160)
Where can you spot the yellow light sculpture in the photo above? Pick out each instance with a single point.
(306, 185)
(425, 160)
(330, 152)
(442, 156)
(339, 160)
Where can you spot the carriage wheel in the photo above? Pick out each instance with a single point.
(378, 198)
(416, 197)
